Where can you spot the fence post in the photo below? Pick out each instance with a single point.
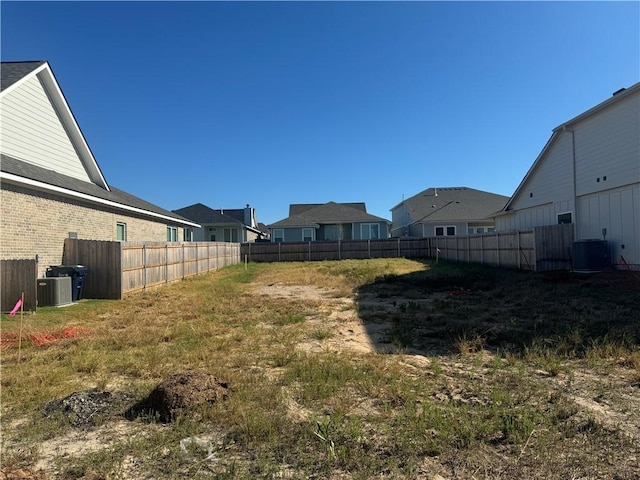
(398, 247)
(482, 248)
(309, 251)
(183, 261)
(339, 255)
(144, 267)
(279, 258)
(166, 263)
(518, 248)
(498, 246)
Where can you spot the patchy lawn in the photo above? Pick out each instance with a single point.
(385, 368)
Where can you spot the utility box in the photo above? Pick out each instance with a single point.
(591, 255)
(75, 272)
(54, 291)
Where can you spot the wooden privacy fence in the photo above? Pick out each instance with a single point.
(543, 248)
(18, 277)
(115, 268)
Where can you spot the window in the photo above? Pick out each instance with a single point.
(278, 235)
(187, 235)
(449, 231)
(121, 232)
(491, 230)
(369, 231)
(231, 235)
(172, 234)
(480, 230)
(470, 231)
(307, 234)
(564, 218)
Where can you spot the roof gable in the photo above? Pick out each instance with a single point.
(557, 132)
(36, 114)
(327, 213)
(205, 215)
(452, 203)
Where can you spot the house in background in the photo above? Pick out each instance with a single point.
(588, 174)
(51, 185)
(329, 221)
(223, 225)
(446, 212)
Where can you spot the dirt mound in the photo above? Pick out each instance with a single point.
(22, 474)
(185, 390)
(88, 407)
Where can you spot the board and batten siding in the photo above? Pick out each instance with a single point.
(608, 148)
(553, 179)
(617, 211)
(32, 131)
(533, 217)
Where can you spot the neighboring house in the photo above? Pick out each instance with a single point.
(588, 174)
(223, 225)
(51, 185)
(266, 233)
(329, 221)
(446, 212)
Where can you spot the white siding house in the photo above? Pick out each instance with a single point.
(588, 174)
(51, 187)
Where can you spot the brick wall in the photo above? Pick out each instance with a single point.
(36, 223)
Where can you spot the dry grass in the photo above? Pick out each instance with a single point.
(347, 370)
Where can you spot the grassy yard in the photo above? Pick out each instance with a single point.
(388, 369)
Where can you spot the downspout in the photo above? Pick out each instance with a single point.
(573, 175)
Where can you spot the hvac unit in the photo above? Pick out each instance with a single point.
(54, 291)
(591, 255)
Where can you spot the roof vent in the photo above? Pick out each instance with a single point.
(618, 91)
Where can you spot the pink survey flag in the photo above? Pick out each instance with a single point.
(437, 250)
(16, 308)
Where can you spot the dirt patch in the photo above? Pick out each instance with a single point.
(87, 408)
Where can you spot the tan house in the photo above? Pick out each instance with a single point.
(51, 185)
(588, 175)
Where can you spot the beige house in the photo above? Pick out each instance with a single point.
(588, 175)
(51, 185)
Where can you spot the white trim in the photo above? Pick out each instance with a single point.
(70, 193)
(370, 224)
(564, 213)
(312, 234)
(444, 234)
(275, 236)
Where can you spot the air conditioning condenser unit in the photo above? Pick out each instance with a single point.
(54, 291)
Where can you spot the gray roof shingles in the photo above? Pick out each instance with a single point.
(27, 170)
(11, 72)
(206, 215)
(328, 213)
(454, 203)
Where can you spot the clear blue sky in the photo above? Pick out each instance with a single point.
(272, 103)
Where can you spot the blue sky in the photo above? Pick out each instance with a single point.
(272, 103)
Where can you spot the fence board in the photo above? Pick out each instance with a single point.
(554, 247)
(116, 268)
(104, 263)
(518, 249)
(18, 277)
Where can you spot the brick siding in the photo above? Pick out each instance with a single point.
(36, 223)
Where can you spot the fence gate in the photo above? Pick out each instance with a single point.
(18, 277)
